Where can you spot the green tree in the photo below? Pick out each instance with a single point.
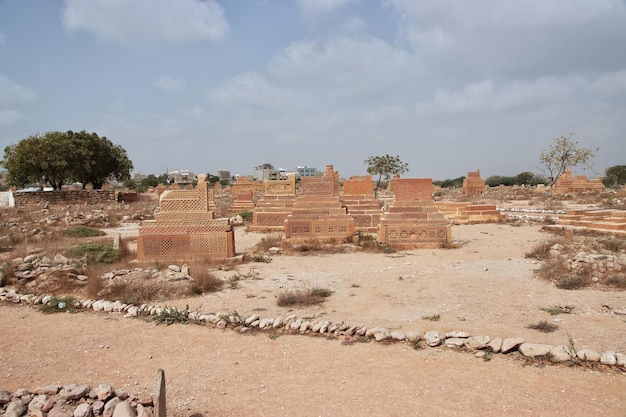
(39, 159)
(529, 178)
(615, 175)
(58, 158)
(385, 167)
(496, 180)
(96, 159)
(562, 155)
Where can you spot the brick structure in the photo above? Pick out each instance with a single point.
(601, 221)
(361, 204)
(184, 229)
(272, 210)
(576, 185)
(318, 213)
(413, 220)
(244, 191)
(473, 184)
(34, 198)
(464, 213)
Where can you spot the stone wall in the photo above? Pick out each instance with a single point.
(34, 198)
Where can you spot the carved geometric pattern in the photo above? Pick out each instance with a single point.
(167, 247)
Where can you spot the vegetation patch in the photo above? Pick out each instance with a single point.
(312, 296)
(60, 305)
(94, 252)
(556, 310)
(543, 326)
(83, 231)
(432, 317)
(171, 315)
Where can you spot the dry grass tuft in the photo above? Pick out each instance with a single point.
(307, 297)
(543, 326)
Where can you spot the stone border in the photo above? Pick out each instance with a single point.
(483, 346)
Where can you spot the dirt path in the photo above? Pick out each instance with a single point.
(485, 287)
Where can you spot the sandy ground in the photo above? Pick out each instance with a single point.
(485, 287)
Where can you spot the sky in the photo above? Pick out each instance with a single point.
(201, 85)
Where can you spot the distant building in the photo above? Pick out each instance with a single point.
(304, 171)
(182, 178)
(266, 172)
(224, 174)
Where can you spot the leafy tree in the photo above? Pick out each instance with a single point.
(615, 175)
(57, 158)
(562, 155)
(496, 180)
(450, 183)
(39, 159)
(163, 178)
(97, 159)
(529, 178)
(385, 166)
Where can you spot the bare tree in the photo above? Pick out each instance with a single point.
(562, 155)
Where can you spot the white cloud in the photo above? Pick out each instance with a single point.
(8, 117)
(140, 21)
(169, 84)
(516, 38)
(12, 93)
(486, 96)
(316, 7)
(353, 24)
(248, 89)
(612, 84)
(343, 66)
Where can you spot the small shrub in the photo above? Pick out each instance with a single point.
(302, 297)
(60, 305)
(369, 243)
(541, 250)
(270, 241)
(135, 292)
(433, 317)
(572, 282)
(543, 326)
(83, 231)
(612, 244)
(258, 257)
(618, 281)
(246, 216)
(205, 282)
(94, 252)
(556, 310)
(171, 315)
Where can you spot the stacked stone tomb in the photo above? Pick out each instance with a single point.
(413, 220)
(185, 228)
(361, 204)
(271, 211)
(318, 213)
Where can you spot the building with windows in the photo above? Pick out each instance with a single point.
(304, 171)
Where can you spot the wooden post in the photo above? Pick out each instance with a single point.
(159, 404)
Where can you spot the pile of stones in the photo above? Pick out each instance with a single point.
(74, 401)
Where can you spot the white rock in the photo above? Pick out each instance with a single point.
(608, 358)
(457, 333)
(83, 410)
(586, 354)
(174, 268)
(510, 344)
(432, 338)
(378, 333)
(413, 336)
(454, 342)
(250, 319)
(561, 353)
(477, 342)
(398, 335)
(124, 409)
(532, 350)
(620, 359)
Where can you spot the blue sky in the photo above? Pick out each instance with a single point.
(449, 86)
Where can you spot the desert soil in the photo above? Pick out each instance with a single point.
(484, 287)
